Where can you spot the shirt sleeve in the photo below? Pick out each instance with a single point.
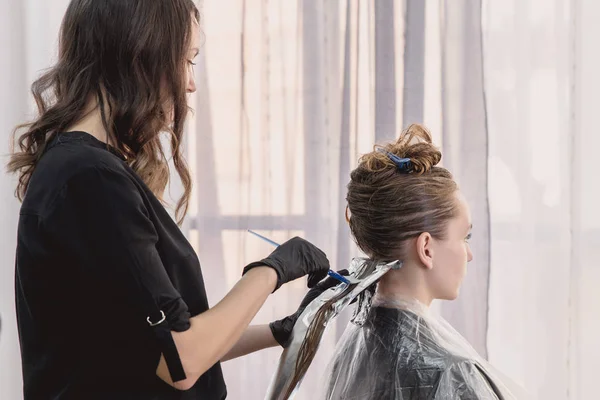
(105, 225)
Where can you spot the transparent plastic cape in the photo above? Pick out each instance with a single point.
(403, 351)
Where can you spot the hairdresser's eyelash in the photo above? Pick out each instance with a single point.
(468, 237)
(192, 63)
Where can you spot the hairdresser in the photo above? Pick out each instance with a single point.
(111, 303)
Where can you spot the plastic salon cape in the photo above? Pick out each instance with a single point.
(403, 351)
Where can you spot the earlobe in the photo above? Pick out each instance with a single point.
(425, 249)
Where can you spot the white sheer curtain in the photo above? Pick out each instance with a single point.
(519, 156)
(528, 59)
(284, 104)
(542, 90)
(290, 93)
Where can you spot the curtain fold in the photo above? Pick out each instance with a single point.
(414, 63)
(385, 70)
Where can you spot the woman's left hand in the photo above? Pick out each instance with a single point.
(282, 329)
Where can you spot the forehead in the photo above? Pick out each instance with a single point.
(195, 32)
(464, 211)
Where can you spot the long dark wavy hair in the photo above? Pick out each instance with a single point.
(130, 56)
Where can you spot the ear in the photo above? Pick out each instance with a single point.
(425, 249)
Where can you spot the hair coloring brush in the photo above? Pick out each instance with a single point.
(344, 279)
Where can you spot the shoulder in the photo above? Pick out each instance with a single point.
(64, 161)
(466, 378)
(66, 167)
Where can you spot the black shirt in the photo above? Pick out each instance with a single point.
(97, 254)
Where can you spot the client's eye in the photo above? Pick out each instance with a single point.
(191, 62)
(468, 237)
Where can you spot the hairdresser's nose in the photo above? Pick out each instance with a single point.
(191, 84)
(469, 254)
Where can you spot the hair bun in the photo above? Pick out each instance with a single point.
(414, 143)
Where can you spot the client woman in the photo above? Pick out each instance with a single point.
(404, 207)
(402, 210)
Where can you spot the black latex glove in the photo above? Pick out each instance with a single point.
(282, 329)
(294, 259)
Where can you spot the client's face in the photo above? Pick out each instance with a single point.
(452, 254)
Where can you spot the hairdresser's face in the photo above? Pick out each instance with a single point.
(192, 53)
(451, 255)
(190, 57)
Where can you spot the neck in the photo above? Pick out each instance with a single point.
(91, 122)
(407, 283)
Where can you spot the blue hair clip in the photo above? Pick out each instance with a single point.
(403, 164)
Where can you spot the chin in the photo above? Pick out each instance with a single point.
(450, 296)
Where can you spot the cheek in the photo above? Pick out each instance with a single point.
(456, 262)
(461, 258)
(457, 269)
(450, 267)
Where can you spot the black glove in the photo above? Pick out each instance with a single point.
(294, 259)
(282, 329)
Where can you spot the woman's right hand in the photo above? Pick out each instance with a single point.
(294, 259)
